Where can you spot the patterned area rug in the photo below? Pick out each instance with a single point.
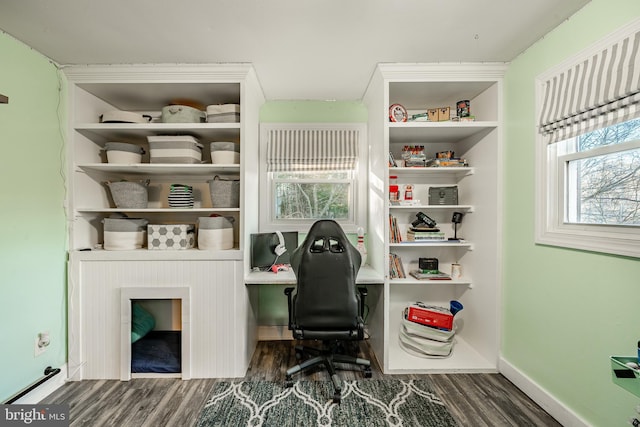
(409, 403)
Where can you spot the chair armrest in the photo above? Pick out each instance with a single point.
(289, 292)
(363, 294)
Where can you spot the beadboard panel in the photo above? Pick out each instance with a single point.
(220, 318)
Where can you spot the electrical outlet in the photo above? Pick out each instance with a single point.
(42, 341)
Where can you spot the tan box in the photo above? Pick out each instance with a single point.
(433, 114)
(444, 114)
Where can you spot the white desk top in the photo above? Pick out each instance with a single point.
(366, 275)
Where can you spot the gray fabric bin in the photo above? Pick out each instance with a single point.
(129, 195)
(225, 192)
(125, 224)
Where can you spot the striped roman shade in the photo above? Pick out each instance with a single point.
(312, 149)
(600, 91)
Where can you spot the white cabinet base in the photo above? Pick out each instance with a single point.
(219, 318)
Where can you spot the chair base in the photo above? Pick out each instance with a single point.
(327, 356)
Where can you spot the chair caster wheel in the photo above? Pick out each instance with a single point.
(337, 398)
(288, 383)
(367, 373)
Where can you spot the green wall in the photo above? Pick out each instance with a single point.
(33, 243)
(565, 311)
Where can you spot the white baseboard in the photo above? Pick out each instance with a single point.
(45, 389)
(542, 397)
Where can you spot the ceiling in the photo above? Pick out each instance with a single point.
(301, 49)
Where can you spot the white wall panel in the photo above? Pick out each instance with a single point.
(220, 317)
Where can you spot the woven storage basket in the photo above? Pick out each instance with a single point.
(129, 195)
(225, 192)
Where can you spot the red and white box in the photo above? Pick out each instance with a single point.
(430, 315)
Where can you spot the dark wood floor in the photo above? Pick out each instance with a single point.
(473, 399)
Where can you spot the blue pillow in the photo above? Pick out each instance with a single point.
(142, 322)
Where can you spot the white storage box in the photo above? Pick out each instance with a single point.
(174, 149)
(225, 153)
(123, 240)
(170, 237)
(215, 233)
(225, 113)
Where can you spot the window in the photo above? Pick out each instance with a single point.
(588, 149)
(601, 175)
(310, 172)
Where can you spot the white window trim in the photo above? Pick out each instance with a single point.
(266, 223)
(550, 228)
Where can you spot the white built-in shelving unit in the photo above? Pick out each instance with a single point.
(419, 87)
(222, 340)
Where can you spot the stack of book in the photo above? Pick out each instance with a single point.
(396, 270)
(424, 234)
(429, 275)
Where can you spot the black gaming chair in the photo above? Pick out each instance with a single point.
(327, 305)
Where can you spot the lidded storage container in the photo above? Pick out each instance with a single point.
(174, 149)
(215, 233)
(182, 114)
(225, 113)
(117, 116)
(225, 153)
(129, 194)
(123, 153)
(225, 192)
(170, 236)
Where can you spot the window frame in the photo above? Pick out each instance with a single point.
(358, 217)
(550, 227)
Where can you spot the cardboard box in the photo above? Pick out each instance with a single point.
(434, 316)
(170, 236)
(444, 114)
(432, 114)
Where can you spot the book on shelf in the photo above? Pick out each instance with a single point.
(396, 270)
(422, 236)
(429, 275)
(394, 232)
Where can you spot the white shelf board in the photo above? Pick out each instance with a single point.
(150, 94)
(444, 243)
(429, 132)
(205, 132)
(156, 255)
(466, 208)
(426, 282)
(161, 168)
(157, 210)
(464, 358)
(457, 172)
(366, 276)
